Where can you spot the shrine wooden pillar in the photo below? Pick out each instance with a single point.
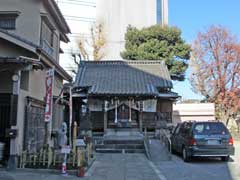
(105, 118)
(141, 117)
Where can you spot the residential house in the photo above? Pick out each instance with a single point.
(30, 35)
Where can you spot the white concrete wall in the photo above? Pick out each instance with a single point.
(193, 112)
(118, 14)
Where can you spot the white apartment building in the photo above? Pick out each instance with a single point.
(118, 14)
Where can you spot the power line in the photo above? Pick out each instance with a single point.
(79, 36)
(79, 17)
(79, 20)
(76, 3)
(79, 1)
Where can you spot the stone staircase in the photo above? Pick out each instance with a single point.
(121, 141)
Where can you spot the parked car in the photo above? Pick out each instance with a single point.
(202, 139)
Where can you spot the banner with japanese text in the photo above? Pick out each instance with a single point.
(49, 95)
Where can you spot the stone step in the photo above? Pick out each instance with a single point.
(120, 150)
(116, 127)
(123, 141)
(124, 129)
(119, 146)
(123, 133)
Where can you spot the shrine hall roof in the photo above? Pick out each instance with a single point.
(116, 78)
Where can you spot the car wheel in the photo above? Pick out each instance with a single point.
(185, 155)
(225, 158)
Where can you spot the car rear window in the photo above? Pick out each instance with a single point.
(209, 128)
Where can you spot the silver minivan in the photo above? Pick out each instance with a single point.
(202, 139)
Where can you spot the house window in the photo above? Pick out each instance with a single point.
(47, 34)
(8, 20)
(47, 38)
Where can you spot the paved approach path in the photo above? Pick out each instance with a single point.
(122, 167)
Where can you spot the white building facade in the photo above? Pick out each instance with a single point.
(117, 15)
(193, 112)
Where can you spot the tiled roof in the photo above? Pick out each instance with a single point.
(143, 78)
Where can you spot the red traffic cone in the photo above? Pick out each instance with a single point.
(64, 168)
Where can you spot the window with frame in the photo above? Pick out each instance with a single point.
(8, 21)
(47, 34)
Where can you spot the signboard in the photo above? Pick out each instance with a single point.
(80, 143)
(66, 150)
(149, 106)
(49, 95)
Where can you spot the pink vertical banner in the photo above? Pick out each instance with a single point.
(70, 106)
(49, 95)
(70, 116)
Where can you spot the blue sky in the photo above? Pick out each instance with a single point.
(192, 16)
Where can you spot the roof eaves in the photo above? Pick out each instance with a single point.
(22, 42)
(58, 15)
(22, 60)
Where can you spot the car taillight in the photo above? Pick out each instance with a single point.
(192, 142)
(230, 142)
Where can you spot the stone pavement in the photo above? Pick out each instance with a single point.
(122, 167)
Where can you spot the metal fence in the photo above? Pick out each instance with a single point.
(1, 151)
(4, 124)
